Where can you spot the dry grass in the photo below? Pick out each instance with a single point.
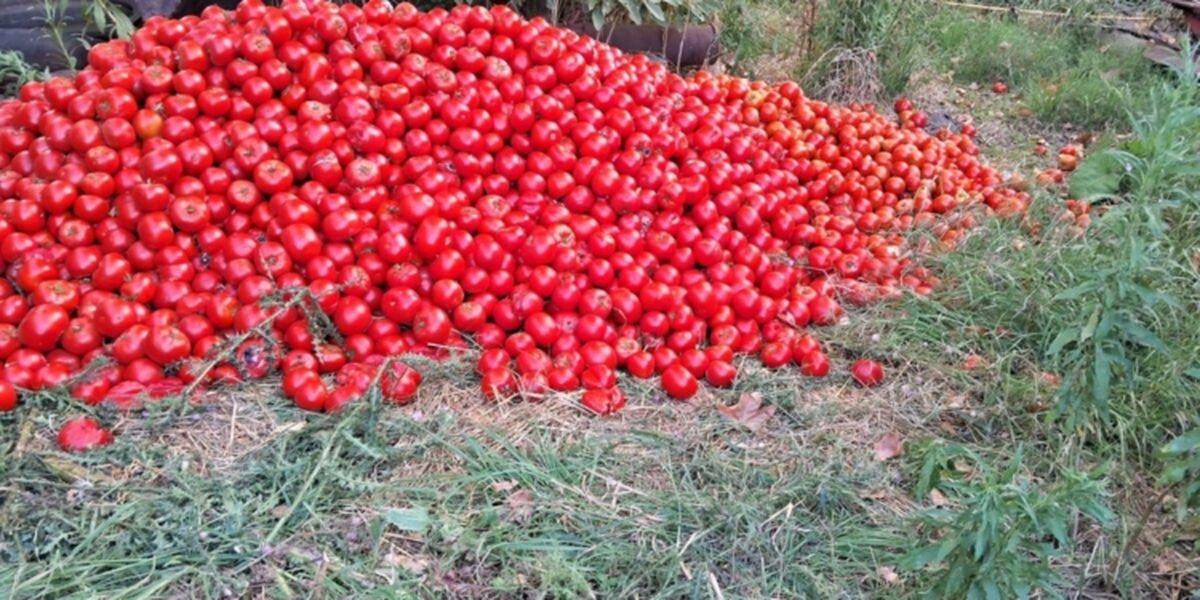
(848, 75)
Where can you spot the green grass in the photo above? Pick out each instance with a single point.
(1062, 70)
(1110, 312)
(754, 30)
(615, 513)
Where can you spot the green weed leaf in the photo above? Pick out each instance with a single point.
(1185, 443)
(1097, 175)
(414, 519)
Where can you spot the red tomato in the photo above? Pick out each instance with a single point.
(43, 326)
(867, 372)
(498, 383)
(115, 316)
(83, 434)
(353, 315)
(400, 383)
(720, 373)
(8, 396)
(678, 382)
(168, 345)
(431, 325)
(814, 364)
(445, 179)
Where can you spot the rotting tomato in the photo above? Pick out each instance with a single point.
(83, 434)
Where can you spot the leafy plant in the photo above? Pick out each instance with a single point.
(56, 27)
(15, 72)
(1184, 468)
(891, 32)
(1146, 190)
(998, 530)
(107, 18)
(860, 23)
(661, 12)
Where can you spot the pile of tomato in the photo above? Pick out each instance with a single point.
(316, 188)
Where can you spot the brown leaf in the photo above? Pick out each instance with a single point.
(414, 564)
(291, 427)
(888, 447)
(875, 494)
(1049, 378)
(956, 401)
(504, 486)
(937, 499)
(749, 411)
(73, 473)
(963, 466)
(888, 574)
(518, 507)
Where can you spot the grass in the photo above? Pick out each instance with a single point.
(439, 508)
(1108, 313)
(1063, 69)
(1065, 72)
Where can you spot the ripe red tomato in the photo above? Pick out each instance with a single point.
(168, 345)
(43, 326)
(603, 401)
(114, 316)
(431, 325)
(498, 383)
(776, 354)
(80, 337)
(91, 392)
(8, 396)
(83, 434)
(400, 383)
(867, 372)
(814, 364)
(720, 373)
(352, 315)
(678, 382)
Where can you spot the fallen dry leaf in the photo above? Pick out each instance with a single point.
(291, 427)
(937, 499)
(518, 507)
(973, 362)
(414, 564)
(888, 574)
(504, 486)
(749, 411)
(888, 447)
(875, 494)
(1049, 378)
(73, 473)
(957, 401)
(963, 466)
(949, 425)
